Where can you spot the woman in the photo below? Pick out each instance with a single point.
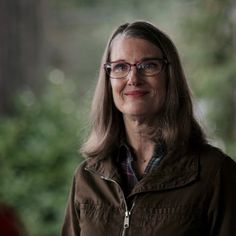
(148, 168)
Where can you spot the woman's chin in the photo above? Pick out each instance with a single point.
(137, 113)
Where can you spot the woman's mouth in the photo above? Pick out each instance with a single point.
(136, 93)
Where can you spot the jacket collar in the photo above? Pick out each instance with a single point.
(104, 167)
(172, 172)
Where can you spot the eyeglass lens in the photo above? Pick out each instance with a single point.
(146, 68)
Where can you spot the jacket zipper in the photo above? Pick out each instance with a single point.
(127, 211)
(127, 219)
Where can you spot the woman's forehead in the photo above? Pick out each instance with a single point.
(124, 47)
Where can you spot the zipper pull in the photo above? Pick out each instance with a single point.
(126, 221)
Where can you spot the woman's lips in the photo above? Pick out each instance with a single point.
(135, 93)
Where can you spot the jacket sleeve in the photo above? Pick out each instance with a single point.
(222, 210)
(71, 222)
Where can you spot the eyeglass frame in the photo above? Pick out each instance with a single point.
(163, 60)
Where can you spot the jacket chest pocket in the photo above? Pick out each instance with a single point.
(99, 211)
(99, 219)
(173, 219)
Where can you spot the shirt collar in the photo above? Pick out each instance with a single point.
(125, 151)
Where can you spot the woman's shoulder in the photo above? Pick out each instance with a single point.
(102, 166)
(82, 173)
(211, 152)
(213, 160)
(83, 165)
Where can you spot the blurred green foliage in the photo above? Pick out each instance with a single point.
(210, 51)
(38, 153)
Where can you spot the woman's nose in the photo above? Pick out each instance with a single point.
(133, 76)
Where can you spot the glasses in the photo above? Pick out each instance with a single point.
(149, 67)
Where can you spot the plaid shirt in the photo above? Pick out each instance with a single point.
(128, 173)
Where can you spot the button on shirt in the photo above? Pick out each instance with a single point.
(128, 173)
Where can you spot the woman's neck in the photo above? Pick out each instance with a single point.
(138, 136)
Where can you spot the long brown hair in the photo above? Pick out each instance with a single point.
(177, 126)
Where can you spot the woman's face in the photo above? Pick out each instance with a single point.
(136, 94)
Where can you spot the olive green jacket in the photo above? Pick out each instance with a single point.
(189, 195)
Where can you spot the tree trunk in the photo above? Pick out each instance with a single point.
(20, 48)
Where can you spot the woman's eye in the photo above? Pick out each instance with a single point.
(120, 67)
(150, 66)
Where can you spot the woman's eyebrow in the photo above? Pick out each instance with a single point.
(142, 59)
(119, 60)
(150, 58)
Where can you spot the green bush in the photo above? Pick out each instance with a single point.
(38, 155)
